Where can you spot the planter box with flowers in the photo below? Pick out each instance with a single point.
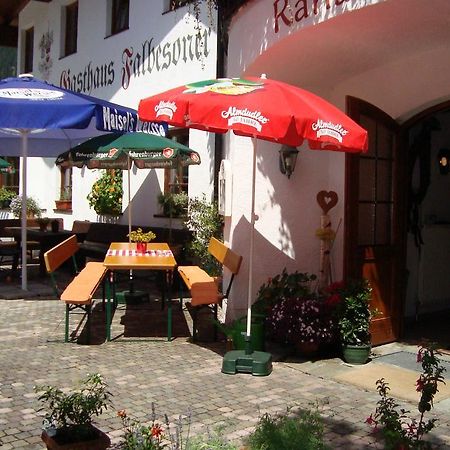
(295, 314)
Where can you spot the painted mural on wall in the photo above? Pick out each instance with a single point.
(46, 62)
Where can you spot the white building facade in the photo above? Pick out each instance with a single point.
(156, 50)
(385, 63)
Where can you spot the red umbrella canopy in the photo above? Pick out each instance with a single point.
(257, 107)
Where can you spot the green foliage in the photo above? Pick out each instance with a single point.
(397, 429)
(174, 205)
(283, 286)
(65, 411)
(205, 222)
(106, 194)
(300, 432)
(33, 207)
(211, 441)
(6, 194)
(166, 435)
(352, 300)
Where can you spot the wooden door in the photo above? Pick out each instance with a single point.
(375, 232)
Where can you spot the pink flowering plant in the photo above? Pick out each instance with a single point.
(296, 314)
(398, 430)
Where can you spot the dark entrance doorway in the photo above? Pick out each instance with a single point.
(397, 220)
(374, 218)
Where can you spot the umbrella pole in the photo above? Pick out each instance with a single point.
(24, 138)
(248, 343)
(129, 216)
(248, 361)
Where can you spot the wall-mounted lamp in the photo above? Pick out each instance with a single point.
(288, 158)
(444, 161)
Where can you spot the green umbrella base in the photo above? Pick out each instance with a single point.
(239, 361)
(132, 297)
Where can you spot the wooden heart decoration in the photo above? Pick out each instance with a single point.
(327, 200)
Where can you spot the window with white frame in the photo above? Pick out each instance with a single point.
(176, 180)
(69, 26)
(118, 16)
(28, 43)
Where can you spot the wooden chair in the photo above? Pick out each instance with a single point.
(204, 289)
(80, 291)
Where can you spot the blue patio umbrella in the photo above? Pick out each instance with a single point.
(49, 120)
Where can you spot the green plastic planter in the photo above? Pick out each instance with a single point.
(256, 331)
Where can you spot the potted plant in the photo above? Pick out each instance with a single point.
(106, 193)
(282, 286)
(353, 313)
(68, 420)
(141, 238)
(6, 195)
(304, 322)
(33, 208)
(65, 199)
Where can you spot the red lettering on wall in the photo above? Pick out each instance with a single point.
(286, 14)
(280, 14)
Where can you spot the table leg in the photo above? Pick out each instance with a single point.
(109, 301)
(168, 277)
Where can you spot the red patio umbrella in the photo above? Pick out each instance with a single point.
(262, 109)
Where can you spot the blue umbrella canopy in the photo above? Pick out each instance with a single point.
(49, 119)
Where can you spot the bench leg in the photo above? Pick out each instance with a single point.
(88, 322)
(66, 334)
(215, 322)
(194, 323)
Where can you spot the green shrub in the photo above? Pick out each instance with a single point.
(205, 222)
(303, 431)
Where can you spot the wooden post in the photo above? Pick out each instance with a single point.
(325, 233)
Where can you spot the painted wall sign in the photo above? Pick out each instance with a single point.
(286, 13)
(136, 62)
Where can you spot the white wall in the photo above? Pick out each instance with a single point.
(357, 48)
(119, 54)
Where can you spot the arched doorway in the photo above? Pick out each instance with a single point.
(387, 211)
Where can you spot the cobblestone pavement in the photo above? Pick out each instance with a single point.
(142, 367)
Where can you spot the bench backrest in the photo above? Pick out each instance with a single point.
(60, 253)
(226, 256)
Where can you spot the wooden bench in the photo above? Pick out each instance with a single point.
(204, 289)
(80, 291)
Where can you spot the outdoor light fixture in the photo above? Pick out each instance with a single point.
(444, 161)
(288, 158)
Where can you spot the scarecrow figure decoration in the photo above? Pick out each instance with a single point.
(326, 234)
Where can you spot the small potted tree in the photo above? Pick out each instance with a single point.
(68, 420)
(354, 314)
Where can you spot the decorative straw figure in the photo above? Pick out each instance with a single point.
(326, 234)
